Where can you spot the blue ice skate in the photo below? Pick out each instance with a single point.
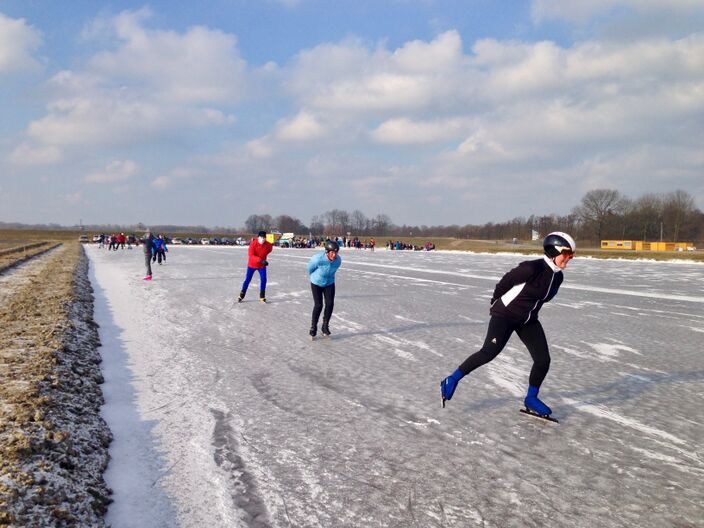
(534, 405)
(448, 386)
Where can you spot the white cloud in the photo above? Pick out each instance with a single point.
(516, 112)
(302, 127)
(259, 148)
(18, 41)
(403, 130)
(115, 171)
(155, 84)
(26, 154)
(201, 65)
(349, 78)
(115, 118)
(161, 182)
(580, 10)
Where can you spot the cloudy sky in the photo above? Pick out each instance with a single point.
(431, 111)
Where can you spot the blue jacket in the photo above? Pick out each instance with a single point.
(321, 270)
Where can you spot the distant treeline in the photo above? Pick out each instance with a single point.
(601, 214)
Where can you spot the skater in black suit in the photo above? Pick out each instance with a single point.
(515, 304)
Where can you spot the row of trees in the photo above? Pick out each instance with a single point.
(601, 214)
(335, 222)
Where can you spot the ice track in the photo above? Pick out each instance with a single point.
(226, 414)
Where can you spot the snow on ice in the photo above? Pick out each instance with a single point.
(226, 414)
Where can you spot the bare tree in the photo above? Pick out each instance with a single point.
(678, 206)
(336, 221)
(648, 213)
(381, 224)
(598, 206)
(317, 226)
(358, 222)
(256, 223)
(289, 224)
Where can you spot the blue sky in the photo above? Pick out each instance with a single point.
(433, 112)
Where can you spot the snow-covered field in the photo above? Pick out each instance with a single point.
(228, 415)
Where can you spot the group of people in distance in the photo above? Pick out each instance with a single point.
(115, 241)
(515, 303)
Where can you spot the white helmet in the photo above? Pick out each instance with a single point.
(557, 242)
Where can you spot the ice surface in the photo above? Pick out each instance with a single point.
(226, 414)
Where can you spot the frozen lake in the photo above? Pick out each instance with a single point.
(228, 415)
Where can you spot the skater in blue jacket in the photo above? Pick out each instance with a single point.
(322, 268)
(160, 249)
(515, 304)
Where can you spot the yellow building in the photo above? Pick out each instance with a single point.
(637, 245)
(617, 244)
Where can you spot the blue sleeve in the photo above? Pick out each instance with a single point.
(312, 264)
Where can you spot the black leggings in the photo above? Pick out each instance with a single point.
(320, 292)
(500, 330)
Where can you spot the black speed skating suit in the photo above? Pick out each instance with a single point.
(521, 293)
(515, 304)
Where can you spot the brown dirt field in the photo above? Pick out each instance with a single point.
(22, 236)
(13, 255)
(42, 358)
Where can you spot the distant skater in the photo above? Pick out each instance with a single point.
(322, 268)
(515, 304)
(148, 242)
(160, 249)
(259, 249)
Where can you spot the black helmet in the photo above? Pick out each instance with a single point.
(557, 242)
(331, 245)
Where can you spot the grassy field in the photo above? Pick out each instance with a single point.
(11, 238)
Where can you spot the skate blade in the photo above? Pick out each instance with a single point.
(442, 396)
(546, 417)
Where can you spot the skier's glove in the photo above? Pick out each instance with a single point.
(265, 263)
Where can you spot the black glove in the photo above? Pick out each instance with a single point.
(265, 263)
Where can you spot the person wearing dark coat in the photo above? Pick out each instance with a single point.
(148, 241)
(515, 304)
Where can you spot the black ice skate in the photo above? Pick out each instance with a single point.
(546, 417)
(325, 330)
